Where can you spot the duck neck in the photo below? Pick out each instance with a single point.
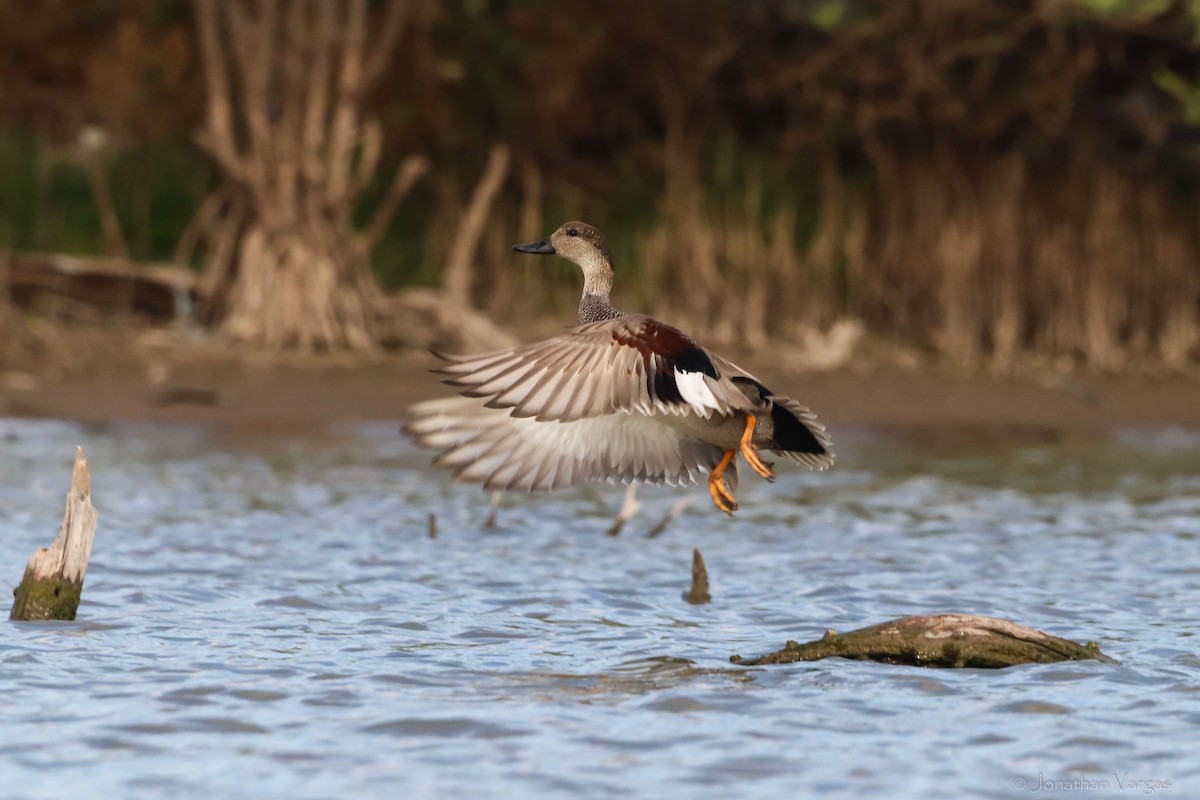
(596, 307)
(597, 283)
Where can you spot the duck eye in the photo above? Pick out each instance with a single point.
(572, 232)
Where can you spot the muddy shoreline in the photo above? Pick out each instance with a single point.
(97, 377)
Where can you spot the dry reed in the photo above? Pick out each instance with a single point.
(982, 262)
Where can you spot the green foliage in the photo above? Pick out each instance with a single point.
(47, 203)
(828, 14)
(18, 191)
(1142, 9)
(399, 259)
(67, 215)
(158, 189)
(1185, 91)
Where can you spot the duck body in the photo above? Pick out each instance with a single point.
(621, 397)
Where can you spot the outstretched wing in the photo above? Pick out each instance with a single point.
(501, 451)
(631, 364)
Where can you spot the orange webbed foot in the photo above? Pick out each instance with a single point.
(750, 453)
(719, 488)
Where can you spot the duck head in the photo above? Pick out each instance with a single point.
(582, 244)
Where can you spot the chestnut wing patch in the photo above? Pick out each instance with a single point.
(675, 365)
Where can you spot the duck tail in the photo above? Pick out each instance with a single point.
(798, 436)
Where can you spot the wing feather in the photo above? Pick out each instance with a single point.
(490, 446)
(592, 371)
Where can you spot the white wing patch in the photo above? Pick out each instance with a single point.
(695, 390)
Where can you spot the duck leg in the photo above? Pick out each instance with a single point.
(751, 454)
(718, 488)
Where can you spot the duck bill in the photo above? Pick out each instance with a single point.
(542, 248)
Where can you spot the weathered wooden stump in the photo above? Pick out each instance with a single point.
(939, 640)
(53, 579)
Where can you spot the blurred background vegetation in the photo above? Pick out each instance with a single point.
(980, 180)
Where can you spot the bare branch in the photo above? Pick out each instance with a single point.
(291, 82)
(110, 223)
(379, 55)
(370, 147)
(413, 168)
(250, 36)
(531, 201)
(457, 277)
(345, 131)
(200, 222)
(218, 137)
(316, 117)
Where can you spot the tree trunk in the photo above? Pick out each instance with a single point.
(285, 85)
(294, 294)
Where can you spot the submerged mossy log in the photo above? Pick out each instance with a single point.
(940, 640)
(53, 579)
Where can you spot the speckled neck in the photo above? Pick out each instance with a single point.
(596, 307)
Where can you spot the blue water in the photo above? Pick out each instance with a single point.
(270, 618)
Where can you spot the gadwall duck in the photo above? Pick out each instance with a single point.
(621, 397)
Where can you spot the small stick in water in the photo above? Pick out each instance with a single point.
(629, 507)
(698, 594)
(432, 525)
(490, 522)
(673, 512)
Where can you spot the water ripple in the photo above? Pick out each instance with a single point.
(271, 618)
